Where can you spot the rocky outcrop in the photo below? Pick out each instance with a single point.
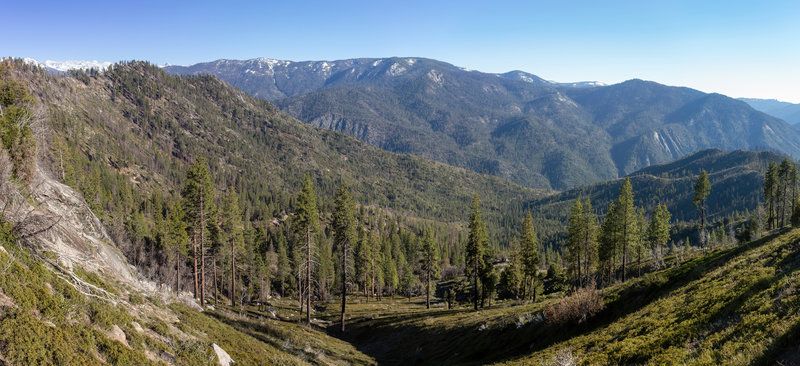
(56, 218)
(223, 357)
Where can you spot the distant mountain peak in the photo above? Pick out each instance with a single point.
(533, 79)
(786, 111)
(64, 66)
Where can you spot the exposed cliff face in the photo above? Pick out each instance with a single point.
(54, 218)
(76, 235)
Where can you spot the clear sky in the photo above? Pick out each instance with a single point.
(738, 48)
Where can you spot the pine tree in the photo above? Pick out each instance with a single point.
(575, 238)
(608, 239)
(639, 241)
(429, 263)
(176, 240)
(324, 269)
(787, 178)
(792, 177)
(306, 225)
(701, 190)
(363, 258)
(283, 265)
(375, 264)
(390, 275)
(627, 224)
(475, 247)
(511, 278)
(344, 228)
(232, 232)
(198, 201)
(529, 253)
(771, 191)
(589, 245)
(658, 231)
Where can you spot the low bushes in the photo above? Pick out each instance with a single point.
(576, 308)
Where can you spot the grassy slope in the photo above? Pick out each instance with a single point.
(736, 306)
(46, 321)
(742, 310)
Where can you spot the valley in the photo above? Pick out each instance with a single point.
(148, 216)
(513, 125)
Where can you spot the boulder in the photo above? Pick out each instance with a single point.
(223, 357)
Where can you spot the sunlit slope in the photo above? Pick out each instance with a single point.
(729, 306)
(738, 307)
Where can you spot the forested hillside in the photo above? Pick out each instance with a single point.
(514, 125)
(126, 140)
(736, 179)
(67, 295)
(218, 196)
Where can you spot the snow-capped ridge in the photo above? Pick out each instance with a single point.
(64, 66)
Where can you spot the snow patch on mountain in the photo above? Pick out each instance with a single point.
(436, 77)
(269, 63)
(64, 66)
(396, 69)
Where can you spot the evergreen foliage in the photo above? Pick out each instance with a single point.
(701, 190)
(476, 247)
(344, 227)
(429, 263)
(306, 225)
(529, 255)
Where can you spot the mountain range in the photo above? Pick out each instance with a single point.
(64, 66)
(513, 125)
(786, 111)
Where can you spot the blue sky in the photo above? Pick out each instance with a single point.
(738, 48)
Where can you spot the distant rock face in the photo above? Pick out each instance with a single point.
(223, 357)
(515, 125)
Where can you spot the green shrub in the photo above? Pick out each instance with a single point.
(94, 279)
(106, 315)
(135, 299)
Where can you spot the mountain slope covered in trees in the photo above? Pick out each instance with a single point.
(513, 125)
(186, 169)
(67, 295)
(736, 179)
(148, 125)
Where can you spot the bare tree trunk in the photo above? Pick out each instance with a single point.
(216, 297)
(373, 275)
(428, 289)
(178, 274)
(624, 249)
(233, 273)
(580, 279)
(344, 281)
(202, 253)
(308, 275)
(194, 259)
(300, 288)
(475, 289)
